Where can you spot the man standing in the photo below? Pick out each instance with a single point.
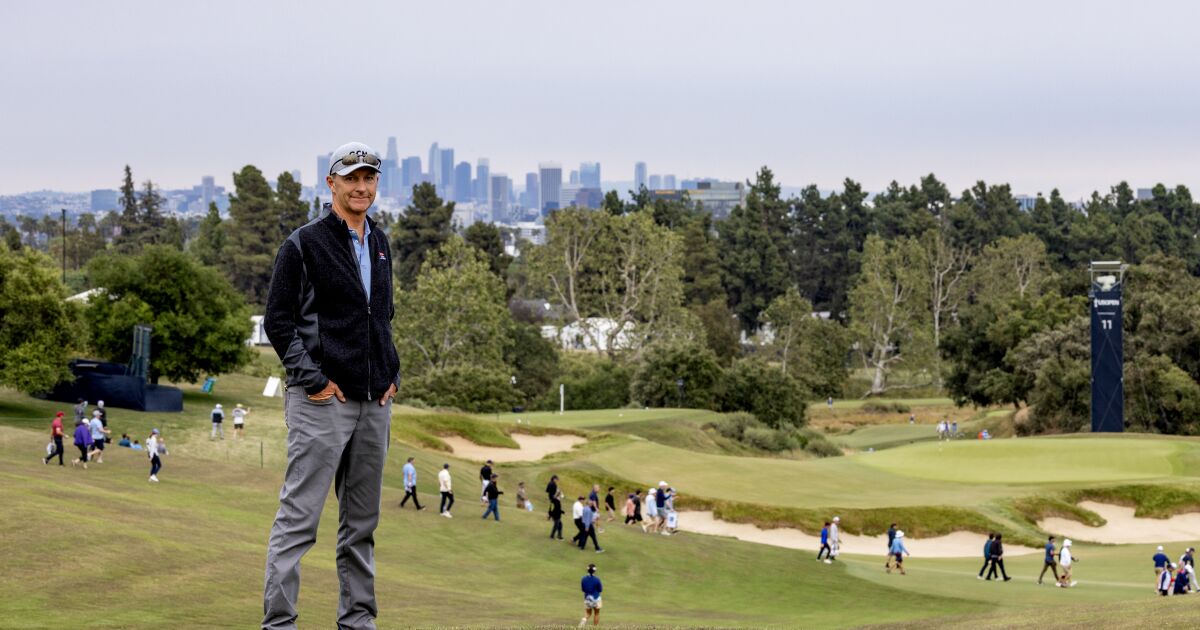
(239, 421)
(410, 485)
(444, 486)
(218, 418)
(1049, 562)
(328, 316)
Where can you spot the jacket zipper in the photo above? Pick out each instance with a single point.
(370, 280)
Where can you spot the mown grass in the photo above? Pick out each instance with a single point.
(1035, 508)
(1148, 500)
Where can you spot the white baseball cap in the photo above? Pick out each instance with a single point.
(899, 534)
(1067, 542)
(837, 519)
(352, 156)
(1160, 547)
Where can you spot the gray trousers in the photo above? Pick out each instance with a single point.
(328, 442)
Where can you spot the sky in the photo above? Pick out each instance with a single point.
(1073, 95)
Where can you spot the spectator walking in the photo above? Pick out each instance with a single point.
(835, 539)
(485, 477)
(492, 492)
(997, 555)
(987, 554)
(1066, 560)
(80, 410)
(446, 488)
(1187, 566)
(591, 514)
(630, 509)
(610, 505)
(99, 438)
(552, 489)
(592, 588)
(239, 421)
(651, 511)
(103, 415)
(1163, 581)
(556, 514)
(521, 498)
(410, 485)
(825, 548)
(637, 506)
(660, 504)
(1049, 562)
(898, 552)
(891, 534)
(56, 437)
(153, 445)
(218, 419)
(577, 515)
(954, 429)
(83, 442)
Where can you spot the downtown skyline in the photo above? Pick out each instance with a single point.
(1037, 95)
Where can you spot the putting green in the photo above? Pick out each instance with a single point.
(1034, 460)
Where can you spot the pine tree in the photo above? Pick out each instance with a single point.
(209, 246)
(292, 211)
(252, 238)
(423, 228)
(130, 221)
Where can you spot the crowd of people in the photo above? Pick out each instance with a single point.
(91, 437)
(1175, 578)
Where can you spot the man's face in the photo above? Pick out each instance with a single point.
(355, 192)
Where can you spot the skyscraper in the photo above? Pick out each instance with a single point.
(319, 185)
(639, 176)
(550, 178)
(574, 178)
(483, 182)
(446, 184)
(391, 150)
(655, 182)
(435, 164)
(462, 182)
(531, 191)
(498, 193)
(589, 174)
(410, 175)
(669, 182)
(208, 189)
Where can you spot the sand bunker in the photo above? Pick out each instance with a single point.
(1123, 527)
(533, 447)
(956, 545)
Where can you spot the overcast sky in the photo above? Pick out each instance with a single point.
(1077, 95)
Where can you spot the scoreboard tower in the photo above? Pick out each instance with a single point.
(1108, 356)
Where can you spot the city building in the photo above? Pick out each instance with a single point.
(532, 197)
(589, 174)
(639, 176)
(322, 171)
(410, 175)
(498, 194)
(435, 164)
(574, 178)
(462, 182)
(655, 182)
(718, 198)
(105, 200)
(446, 183)
(1026, 202)
(391, 150)
(668, 182)
(550, 179)
(483, 181)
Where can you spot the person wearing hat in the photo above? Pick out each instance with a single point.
(1187, 566)
(835, 539)
(1160, 561)
(83, 442)
(103, 416)
(99, 437)
(152, 447)
(56, 436)
(328, 317)
(1066, 560)
(898, 552)
(592, 588)
(660, 506)
(651, 511)
(218, 417)
(485, 477)
(447, 489)
(239, 421)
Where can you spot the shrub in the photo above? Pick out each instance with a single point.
(655, 380)
(467, 387)
(775, 398)
(772, 440)
(817, 444)
(885, 407)
(591, 382)
(734, 425)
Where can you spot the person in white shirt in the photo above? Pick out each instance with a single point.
(651, 523)
(1066, 560)
(577, 514)
(152, 446)
(444, 485)
(218, 417)
(239, 421)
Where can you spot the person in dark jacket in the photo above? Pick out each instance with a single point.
(987, 554)
(891, 533)
(485, 477)
(83, 442)
(328, 316)
(556, 514)
(997, 556)
(492, 492)
(592, 588)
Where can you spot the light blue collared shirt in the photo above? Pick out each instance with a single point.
(363, 254)
(410, 475)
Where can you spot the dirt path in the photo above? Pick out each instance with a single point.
(1124, 528)
(956, 545)
(533, 447)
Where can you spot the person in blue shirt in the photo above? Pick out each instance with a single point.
(1182, 582)
(825, 549)
(898, 553)
(410, 485)
(1049, 562)
(891, 534)
(1161, 561)
(592, 588)
(590, 513)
